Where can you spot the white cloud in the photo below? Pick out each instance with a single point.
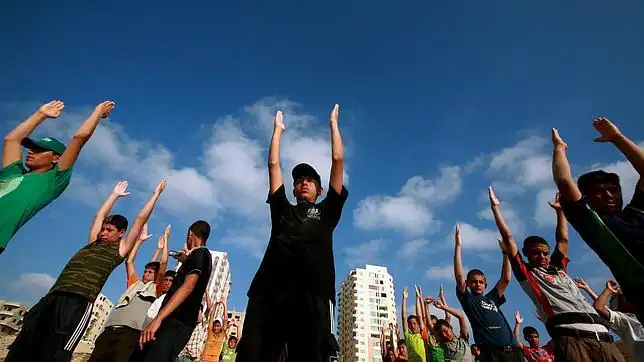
(475, 238)
(365, 253)
(525, 164)
(410, 211)
(445, 272)
(230, 179)
(32, 284)
(413, 248)
(511, 216)
(544, 215)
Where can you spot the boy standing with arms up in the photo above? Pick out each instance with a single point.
(297, 274)
(492, 333)
(57, 323)
(24, 191)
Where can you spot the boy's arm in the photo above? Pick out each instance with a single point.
(130, 269)
(581, 284)
(506, 276)
(561, 233)
(568, 189)
(420, 312)
(600, 303)
(403, 309)
(337, 152)
(83, 135)
(501, 224)
(458, 262)
(518, 320)
(274, 169)
(12, 145)
(383, 349)
(427, 314)
(462, 322)
(118, 192)
(128, 242)
(441, 296)
(163, 264)
(610, 133)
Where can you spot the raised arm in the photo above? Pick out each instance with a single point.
(441, 296)
(600, 303)
(163, 264)
(506, 275)
(275, 178)
(403, 309)
(128, 242)
(504, 229)
(83, 134)
(462, 322)
(458, 262)
(383, 345)
(518, 320)
(391, 339)
(561, 233)
(12, 145)
(581, 284)
(337, 152)
(420, 311)
(427, 314)
(568, 189)
(130, 269)
(610, 133)
(118, 192)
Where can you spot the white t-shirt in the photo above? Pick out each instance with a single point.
(630, 330)
(153, 311)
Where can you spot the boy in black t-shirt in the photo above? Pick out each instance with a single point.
(491, 330)
(594, 207)
(297, 275)
(171, 329)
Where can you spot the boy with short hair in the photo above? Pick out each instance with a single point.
(57, 322)
(594, 204)
(24, 191)
(577, 331)
(533, 352)
(455, 349)
(412, 330)
(492, 332)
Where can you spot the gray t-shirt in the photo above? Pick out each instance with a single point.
(131, 315)
(630, 330)
(457, 350)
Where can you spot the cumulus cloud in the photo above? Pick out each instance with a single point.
(412, 249)
(445, 272)
(364, 253)
(409, 211)
(525, 164)
(474, 238)
(32, 284)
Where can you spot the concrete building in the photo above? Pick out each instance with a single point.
(101, 310)
(11, 314)
(366, 302)
(237, 317)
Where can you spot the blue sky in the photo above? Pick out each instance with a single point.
(437, 101)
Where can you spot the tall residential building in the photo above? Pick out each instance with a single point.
(11, 314)
(237, 317)
(366, 302)
(101, 310)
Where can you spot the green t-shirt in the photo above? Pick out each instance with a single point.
(415, 347)
(434, 353)
(227, 354)
(23, 194)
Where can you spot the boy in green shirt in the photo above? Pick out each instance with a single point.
(27, 189)
(412, 329)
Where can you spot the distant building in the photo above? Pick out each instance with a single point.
(11, 314)
(366, 302)
(101, 310)
(237, 317)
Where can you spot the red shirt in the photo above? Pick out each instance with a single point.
(538, 354)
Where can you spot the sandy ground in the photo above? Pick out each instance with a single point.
(5, 341)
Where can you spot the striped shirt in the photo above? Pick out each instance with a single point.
(87, 271)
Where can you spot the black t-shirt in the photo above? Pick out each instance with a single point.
(488, 322)
(299, 256)
(628, 225)
(199, 262)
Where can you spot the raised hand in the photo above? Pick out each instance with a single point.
(405, 295)
(457, 235)
(518, 318)
(608, 131)
(438, 304)
(555, 205)
(333, 118)
(143, 236)
(391, 327)
(613, 287)
(120, 189)
(503, 246)
(429, 300)
(279, 121)
(161, 186)
(52, 109)
(580, 283)
(419, 292)
(556, 139)
(493, 200)
(104, 109)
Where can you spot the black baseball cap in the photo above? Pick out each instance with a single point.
(305, 170)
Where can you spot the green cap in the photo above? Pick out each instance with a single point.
(46, 143)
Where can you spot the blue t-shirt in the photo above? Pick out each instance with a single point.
(489, 325)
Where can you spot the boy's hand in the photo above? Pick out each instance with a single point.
(104, 109)
(518, 318)
(429, 300)
(580, 283)
(405, 295)
(556, 139)
(494, 202)
(613, 287)
(555, 205)
(143, 236)
(51, 109)
(457, 236)
(120, 190)
(438, 304)
(333, 118)
(608, 131)
(279, 121)
(503, 247)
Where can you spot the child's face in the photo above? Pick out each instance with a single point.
(538, 255)
(216, 327)
(533, 340)
(477, 284)
(445, 334)
(413, 326)
(402, 350)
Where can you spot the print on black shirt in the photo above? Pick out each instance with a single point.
(299, 255)
(199, 262)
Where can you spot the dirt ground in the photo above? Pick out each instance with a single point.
(5, 341)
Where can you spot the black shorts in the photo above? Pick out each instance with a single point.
(500, 354)
(287, 327)
(52, 328)
(115, 344)
(171, 337)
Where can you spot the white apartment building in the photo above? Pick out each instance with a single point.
(100, 312)
(366, 302)
(237, 317)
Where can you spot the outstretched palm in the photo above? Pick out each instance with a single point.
(143, 236)
(104, 108)
(335, 113)
(457, 235)
(493, 200)
(52, 109)
(518, 318)
(279, 121)
(556, 139)
(555, 205)
(405, 295)
(613, 287)
(120, 189)
(608, 131)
